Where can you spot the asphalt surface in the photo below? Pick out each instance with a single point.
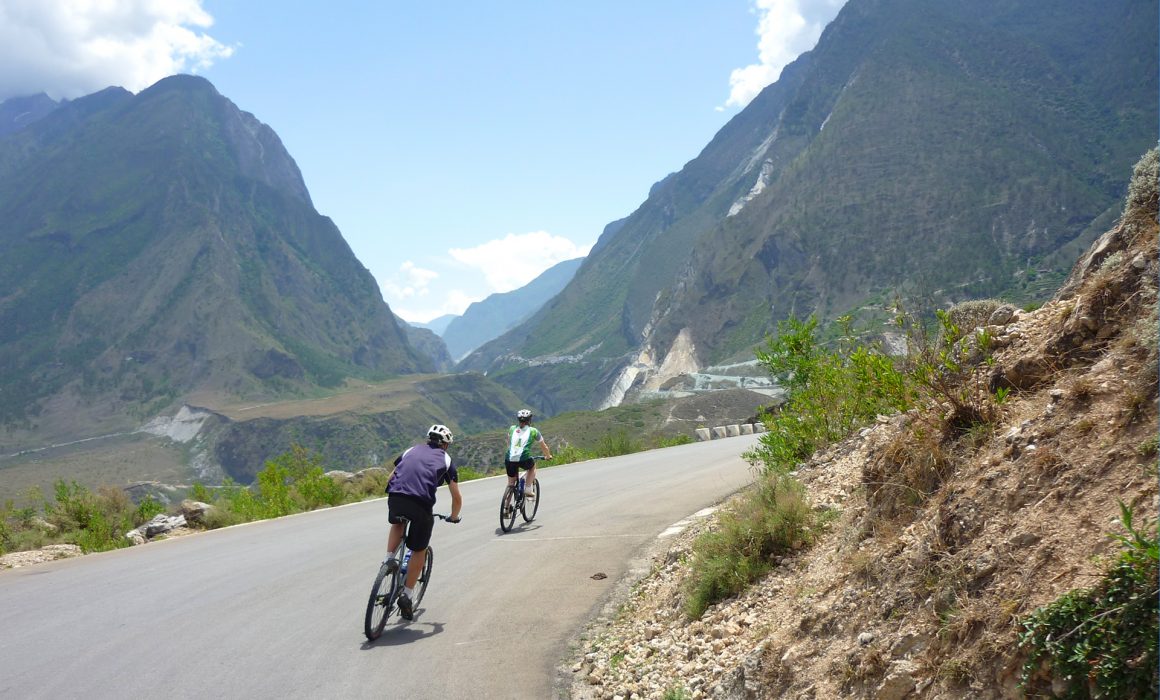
(275, 609)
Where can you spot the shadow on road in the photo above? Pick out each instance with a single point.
(405, 632)
(524, 527)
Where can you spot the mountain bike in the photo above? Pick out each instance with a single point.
(389, 583)
(514, 501)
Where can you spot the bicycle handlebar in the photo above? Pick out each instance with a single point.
(441, 516)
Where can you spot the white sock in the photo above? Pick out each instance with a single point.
(408, 591)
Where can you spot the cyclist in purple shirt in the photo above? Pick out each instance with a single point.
(411, 495)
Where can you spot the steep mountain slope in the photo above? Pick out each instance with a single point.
(428, 343)
(487, 319)
(162, 243)
(942, 545)
(940, 152)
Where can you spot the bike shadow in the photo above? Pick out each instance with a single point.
(401, 633)
(524, 527)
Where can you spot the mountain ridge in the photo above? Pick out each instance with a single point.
(491, 317)
(165, 242)
(866, 181)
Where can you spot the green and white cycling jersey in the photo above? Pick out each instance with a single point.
(520, 442)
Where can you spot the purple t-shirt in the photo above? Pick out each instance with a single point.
(420, 470)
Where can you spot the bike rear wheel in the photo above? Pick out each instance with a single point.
(531, 504)
(425, 577)
(507, 509)
(381, 602)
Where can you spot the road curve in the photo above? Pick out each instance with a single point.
(275, 609)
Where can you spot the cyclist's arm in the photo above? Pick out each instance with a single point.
(544, 447)
(456, 499)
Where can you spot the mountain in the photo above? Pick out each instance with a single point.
(438, 325)
(428, 343)
(1006, 552)
(19, 112)
(934, 151)
(164, 244)
(487, 319)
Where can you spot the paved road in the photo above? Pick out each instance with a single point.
(275, 609)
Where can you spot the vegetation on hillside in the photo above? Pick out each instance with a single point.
(295, 481)
(1103, 636)
(1102, 640)
(95, 521)
(925, 490)
(831, 393)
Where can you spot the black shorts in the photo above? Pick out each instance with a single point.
(418, 512)
(513, 468)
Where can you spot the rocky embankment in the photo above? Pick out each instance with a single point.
(920, 594)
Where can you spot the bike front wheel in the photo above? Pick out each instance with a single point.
(530, 505)
(507, 509)
(381, 602)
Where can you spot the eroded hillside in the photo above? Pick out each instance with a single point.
(945, 539)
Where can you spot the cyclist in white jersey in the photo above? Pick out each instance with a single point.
(519, 455)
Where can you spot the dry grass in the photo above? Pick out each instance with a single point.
(905, 472)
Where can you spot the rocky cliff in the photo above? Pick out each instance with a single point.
(922, 596)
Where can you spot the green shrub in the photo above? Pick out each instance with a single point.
(201, 492)
(235, 504)
(6, 539)
(942, 370)
(1102, 638)
(569, 454)
(469, 474)
(94, 521)
(674, 440)
(616, 444)
(769, 521)
(146, 510)
(273, 483)
(315, 490)
(830, 392)
(371, 485)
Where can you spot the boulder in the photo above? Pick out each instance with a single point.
(194, 511)
(161, 524)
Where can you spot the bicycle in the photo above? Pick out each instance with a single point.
(514, 501)
(389, 583)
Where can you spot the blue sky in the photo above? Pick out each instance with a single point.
(461, 147)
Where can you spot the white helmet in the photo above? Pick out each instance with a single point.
(441, 432)
(523, 414)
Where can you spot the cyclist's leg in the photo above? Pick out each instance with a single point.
(529, 477)
(415, 567)
(512, 469)
(394, 511)
(418, 537)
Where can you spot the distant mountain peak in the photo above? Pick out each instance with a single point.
(937, 152)
(164, 243)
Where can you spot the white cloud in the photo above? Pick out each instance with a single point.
(410, 282)
(70, 48)
(786, 29)
(512, 261)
